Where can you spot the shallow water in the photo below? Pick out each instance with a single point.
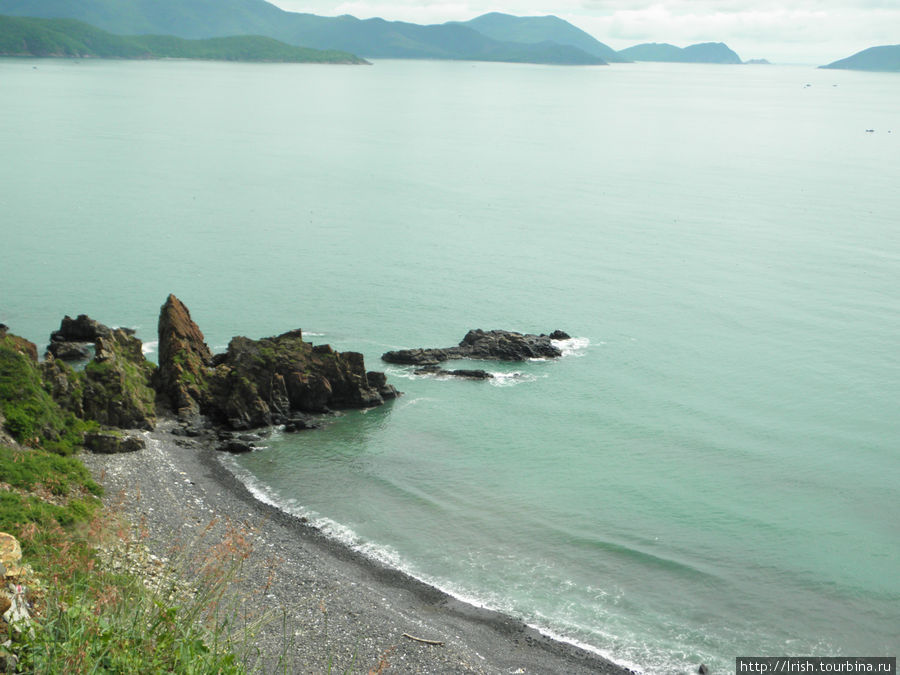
(710, 473)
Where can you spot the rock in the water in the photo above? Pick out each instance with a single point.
(496, 345)
(184, 358)
(82, 329)
(112, 442)
(703, 670)
(560, 335)
(378, 381)
(461, 372)
(258, 383)
(70, 351)
(235, 446)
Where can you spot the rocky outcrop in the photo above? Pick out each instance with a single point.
(81, 329)
(184, 358)
(69, 351)
(259, 382)
(65, 385)
(112, 442)
(263, 382)
(494, 345)
(117, 389)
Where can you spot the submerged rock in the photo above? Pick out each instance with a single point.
(462, 372)
(495, 345)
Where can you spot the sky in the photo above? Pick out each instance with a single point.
(788, 31)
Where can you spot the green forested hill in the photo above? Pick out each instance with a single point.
(23, 36)
(375, 38)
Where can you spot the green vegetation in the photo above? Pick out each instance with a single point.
(70, 38)
(885, 58)
(705, 52)
(84, 616)
(91, 619)
(31, 415)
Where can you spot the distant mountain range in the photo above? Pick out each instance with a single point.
(884, 58)
(491, 37)
(375, 38)
(23, 36)
(705, 52)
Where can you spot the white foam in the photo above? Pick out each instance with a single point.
(511, 379)
(576, 346)
(149, 347)
(405, 373)
(309, 333)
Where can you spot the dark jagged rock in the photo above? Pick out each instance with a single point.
(111, 442)
(81, 329)
(235, 446)
(300, 423)
(258, 383)
(462, 372)
(560, 335)
(378, 381)
(261, 382)
(70, 351)
(494, 345)
(183, 358)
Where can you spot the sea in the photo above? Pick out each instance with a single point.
(711, 470)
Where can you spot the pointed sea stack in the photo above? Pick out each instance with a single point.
(183, 358)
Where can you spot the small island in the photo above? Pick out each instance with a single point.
(68, 38)
(705, 52)
(885, 59)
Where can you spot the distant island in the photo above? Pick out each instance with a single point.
(705, 52)
(758, 62)
(20, 36)
(885, 58)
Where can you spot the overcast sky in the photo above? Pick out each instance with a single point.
(788, 31)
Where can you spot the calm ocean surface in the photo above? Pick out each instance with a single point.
(713, 470)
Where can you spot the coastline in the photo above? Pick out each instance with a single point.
(342, 610)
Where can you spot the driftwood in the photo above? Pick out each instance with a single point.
(423, 640)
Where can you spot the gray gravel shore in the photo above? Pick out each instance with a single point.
(333, 610)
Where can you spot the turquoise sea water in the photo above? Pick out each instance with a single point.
(713, 469)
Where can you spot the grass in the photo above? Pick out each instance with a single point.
(93, 618)
(32, 417)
